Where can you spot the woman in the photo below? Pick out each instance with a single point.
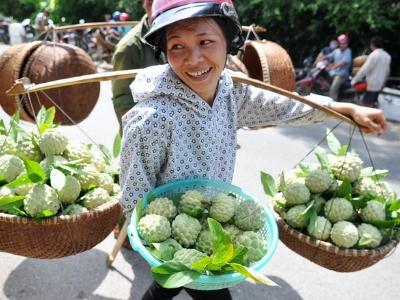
(184, 124)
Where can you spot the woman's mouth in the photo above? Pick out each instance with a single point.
(199, 75)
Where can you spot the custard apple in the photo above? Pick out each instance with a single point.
(6, 192)
(249, 216)
(319, 202)
(203, 242)
(7, 145)
(322, 229)
(346, 167)
(49, 162)
(280, 204)
(318, 181)
(23, 189)
(41, 198)
(222, 207)
(295, 218)
(233, 231)
(370, 236)
(255, 244)
(116, 189)
(338, 209)
(344, 234)
(373, 211)
(296, 193)
(75, 209)
(10, 167)
(163, 207)
(289, 177)
(106, 182)
(88, 177)
(192, 203)
(53, 141)
(154, 228)
(95, 198)
(372, 189)
(166, 249)
(78, 150)
(185, 229)
(70, 190)
(188, 256)
(28, 148)
(97, 160)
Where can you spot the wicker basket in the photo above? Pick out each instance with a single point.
(58, 236)
(42, 62)
(330, 256)
(209, 188)
(269, 62)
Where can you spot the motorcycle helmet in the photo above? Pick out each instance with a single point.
(167, 12)
(124, 16)
(360, 87)
(343, 39)
(116, 16)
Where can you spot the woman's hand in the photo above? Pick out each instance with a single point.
(370, 120)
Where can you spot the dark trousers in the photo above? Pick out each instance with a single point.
(157, 292)
(370, 99)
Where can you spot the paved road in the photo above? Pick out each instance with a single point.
(85, 276)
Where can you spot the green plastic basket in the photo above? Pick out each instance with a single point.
(209, 188)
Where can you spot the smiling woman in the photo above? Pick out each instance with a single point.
(185, 122)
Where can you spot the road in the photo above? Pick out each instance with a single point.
(86, 276)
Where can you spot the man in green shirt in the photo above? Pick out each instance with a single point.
(131, 52)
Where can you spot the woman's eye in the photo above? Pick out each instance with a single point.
(205, 42)
(175, 46)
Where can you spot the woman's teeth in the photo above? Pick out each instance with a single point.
(199, 73)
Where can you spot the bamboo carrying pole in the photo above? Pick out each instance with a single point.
(23, 85)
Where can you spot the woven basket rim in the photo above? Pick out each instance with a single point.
(62, 219)
(261, 57)
(328, 247)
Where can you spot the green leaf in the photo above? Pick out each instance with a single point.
(322, 157)
(268, 183)
(221, 243)
(57, 179)
(305, 167)
(45, 118)
(282, 183)
(394, 205)
(117, 145)
(202, 263)
(343, 150)
(3, 128)
(238, 255)
(20, 180)
(365, 241)
(313, 219)
(386, 223)
(44, 214)
(173, 274)
(358, 202)
(34, 170)
(138, 209)
(106, 152)
(254, 275)
(344, 189)
(333, 143)
(379, 174)
(366, 172)
(6, 201)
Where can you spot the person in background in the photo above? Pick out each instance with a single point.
(339, 69)
(124, 18)
(187, 113)
(333, 44)
(375, 70)
(42, 21)
(132, 52)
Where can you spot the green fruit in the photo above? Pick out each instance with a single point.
(319, 202)
(295, 218)
(26, 147)
(106, 182)
(192, 203)
(222, 207)
(373, 211)
(280, 204)
(88, 178)
(7, 145)
(53, 141)
(322, 229)
(318, 181)
(185, 229)
(70, 191)
(10, 167)
(338, 209)
(188, 256)
(203, 242)
(41, 198)
(255, 244)
(167, 249)
(163, 207)
(75, 209)
(370, 236)
(233, 231)
(154, 228)
(249, 215)
(52, 161)
(296, 193)
(344, 234)
(346, 167)
(23, 189)
(78, 150)
(371, 189)
(95, 198)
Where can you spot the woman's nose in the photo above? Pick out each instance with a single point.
(195, 54)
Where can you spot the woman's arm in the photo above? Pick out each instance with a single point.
(371, 120)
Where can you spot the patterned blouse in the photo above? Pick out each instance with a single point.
(172, 133)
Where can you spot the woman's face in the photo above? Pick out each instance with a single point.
(196, 51)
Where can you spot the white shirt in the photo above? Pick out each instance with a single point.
(172, 133)
(376, 70)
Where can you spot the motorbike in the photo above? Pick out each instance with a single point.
(318, 80)
(29, 30)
